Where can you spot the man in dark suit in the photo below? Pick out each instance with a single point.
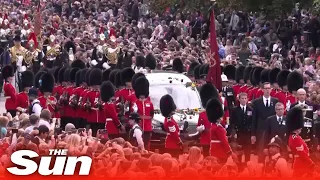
(241, 121)
(277, 124)
(263, 108)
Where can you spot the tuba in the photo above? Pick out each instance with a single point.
(28, 57)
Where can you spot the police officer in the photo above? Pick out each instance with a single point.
(35, 107)
(136, 132)
(227, 89)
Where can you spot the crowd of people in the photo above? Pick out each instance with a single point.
(74, 78)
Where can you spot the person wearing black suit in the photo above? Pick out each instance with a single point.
(263, 108)
(240, 122)
(277, 124)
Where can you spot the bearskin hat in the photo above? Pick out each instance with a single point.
(264, 76)
(112, 76)
(239, 73)
(46, 83)
(127, 60)
(95, 77)
(196, 72)
(246, 74)
(273, 75)
(207, 92)
(140, 60)
(127, 74)
(191, 68)
(295, 119)
(78, 78)
(167, 105)
(294, 81)
(150, 61)
(87, 76)
(106, 74)
(107, 91)
(177, 65)
(73, 72)
(7, 71)
(252, 79)
(118, 81)
(66, 75)
(141, 87)
(135, 77)
(214, 110)
(27, 78)
(70, 44)
(37, 78)
(83, 73)
(257, 75)
(61, 74)
(230, 72)
(282, 77)
(78, 64)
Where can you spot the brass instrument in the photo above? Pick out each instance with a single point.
(74, 101)
(63, 100)
(112, 54)
(15, 52)
(53, 52)
(87, 105)
(98, 103)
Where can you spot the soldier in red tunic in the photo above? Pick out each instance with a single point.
(9, 91)
(273, 81)
(127, 91)
(246, 78)
(46, 85)
(207, 91)
(27, 81)
(239, 79)
(84, 101)
(219, 146)
(74, 96)
(302, 165)
(66, 111)
(144, 107)
(283, 94)
(83, 87)
(36, 81)
(132, 98)
(256, 81)
(112, 123)
(173, 143)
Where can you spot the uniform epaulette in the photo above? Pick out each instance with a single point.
(294, 136)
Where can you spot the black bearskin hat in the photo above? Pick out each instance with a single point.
(135, 77)
(196, 72)
(140, 60)
(66, 75)
(95, 77)
(27, 78)
(106, 74)
(106, 91)
(87, 77)
(78, 78)
(252, 79)
(141, 87)
(273, 75)
(246, 74)
(214, 110)
(83, 73)
(191, 68)
(204, 69)
(70, 44)
(37, 78)
(230, 72)
(294, 81)
(264, 76)
(7, 71)
(127, 74)
(177, 65)
(112, 76)
(257, 75)
(118, 81)
(46, 83)
(207, 92)
(56, 74)
(295, 119)
(73, 72)
(61, 75)
(78, 64)
(239, 73)
(282, 78)
(150, 61)
(221, 69)
(167, 105)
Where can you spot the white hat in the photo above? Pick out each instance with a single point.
(52, 37)
(113, 39)
(224, 78)
(102, 36)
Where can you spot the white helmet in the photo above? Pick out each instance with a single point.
(224, 78)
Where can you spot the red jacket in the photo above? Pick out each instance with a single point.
(146, 111)
(173, 140)
(68, 111)
(10, 93)
(76, 92)
(23, 100)
(219, 146)
(50, 104)
(274, 92)
(286, 99)
(243, 89)
(82, 111)
(57, 92)
(251, 93)
(112, 120)
(259, 93)
(93, 97)
(302, 162)
(226, 114)
(236, 89)
(205, 135)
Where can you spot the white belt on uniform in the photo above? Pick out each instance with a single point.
(215, 141)
(109, 119)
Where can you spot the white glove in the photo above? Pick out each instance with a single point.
(94, 62)
(200, 128)
(23, 68)
(71, 57)
(41, 63)
(105, 66)
(135, 108)
(227, 126)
